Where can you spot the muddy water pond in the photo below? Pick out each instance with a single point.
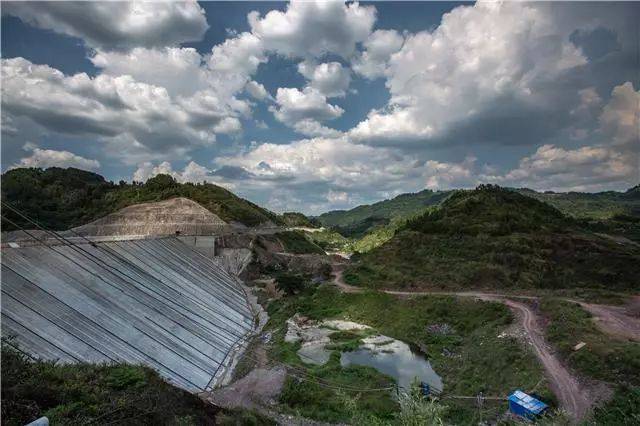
(387, 355)
(393, 358)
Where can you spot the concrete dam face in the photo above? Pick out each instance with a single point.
(156, 302)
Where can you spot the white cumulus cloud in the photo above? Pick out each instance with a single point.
(44, 158)
(378, 49)
(193, 172)
(480, 56)
(615, 163)
(331, 79)
(118, 24)
(132, 115)
(314, 28)
(257, 91)
(304, 110)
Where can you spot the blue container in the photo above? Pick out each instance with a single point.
(425, 388)
(526, 406)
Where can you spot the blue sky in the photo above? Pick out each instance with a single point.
(321, 105)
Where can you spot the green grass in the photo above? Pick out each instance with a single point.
(602, 358)
(475, 360)
(623, 409)
(84, 393)
(242, 418)
(297, 242)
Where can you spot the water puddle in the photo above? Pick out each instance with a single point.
(393, 358)
(387, 355)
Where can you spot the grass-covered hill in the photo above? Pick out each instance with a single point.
(362, 219)
(497, 238)
(64, 198)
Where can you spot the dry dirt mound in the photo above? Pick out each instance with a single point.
(161, 218)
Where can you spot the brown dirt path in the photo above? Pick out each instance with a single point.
(619, 321)
(572, 396)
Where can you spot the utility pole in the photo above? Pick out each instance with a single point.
(480, 401)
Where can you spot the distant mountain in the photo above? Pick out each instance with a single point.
(599, 205)
(362, 219)
(368, 218)
(65, 198)
(497, 238)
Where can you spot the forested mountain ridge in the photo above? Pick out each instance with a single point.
(359, 220)
(367, 218)
(498, 238)
(64, 198)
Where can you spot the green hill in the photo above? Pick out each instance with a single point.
(64, 198)
(296, 219)
(497, 238)
(362, 219)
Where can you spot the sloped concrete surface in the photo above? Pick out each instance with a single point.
(158, 218)
(147, 301)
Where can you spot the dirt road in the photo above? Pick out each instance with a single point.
(619, 321)
(573, 398)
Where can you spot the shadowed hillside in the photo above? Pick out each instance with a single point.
(610, 209)
(362, 219)
(65, 198)
(497, 238)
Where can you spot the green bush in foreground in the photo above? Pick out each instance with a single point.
(89, 393)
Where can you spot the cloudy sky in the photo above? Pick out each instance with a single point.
(316, 106)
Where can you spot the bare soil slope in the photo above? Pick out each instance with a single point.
(161, 218)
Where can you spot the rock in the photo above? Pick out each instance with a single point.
(442, 329)
(314, 337)
(579, 346)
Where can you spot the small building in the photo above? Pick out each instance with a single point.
(526, 406)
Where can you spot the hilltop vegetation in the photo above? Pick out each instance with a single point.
(497, 238)
(296, 219)
(362, 219)
(64, 198)
(371, 225)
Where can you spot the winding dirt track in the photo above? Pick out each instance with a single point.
(573, 397)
